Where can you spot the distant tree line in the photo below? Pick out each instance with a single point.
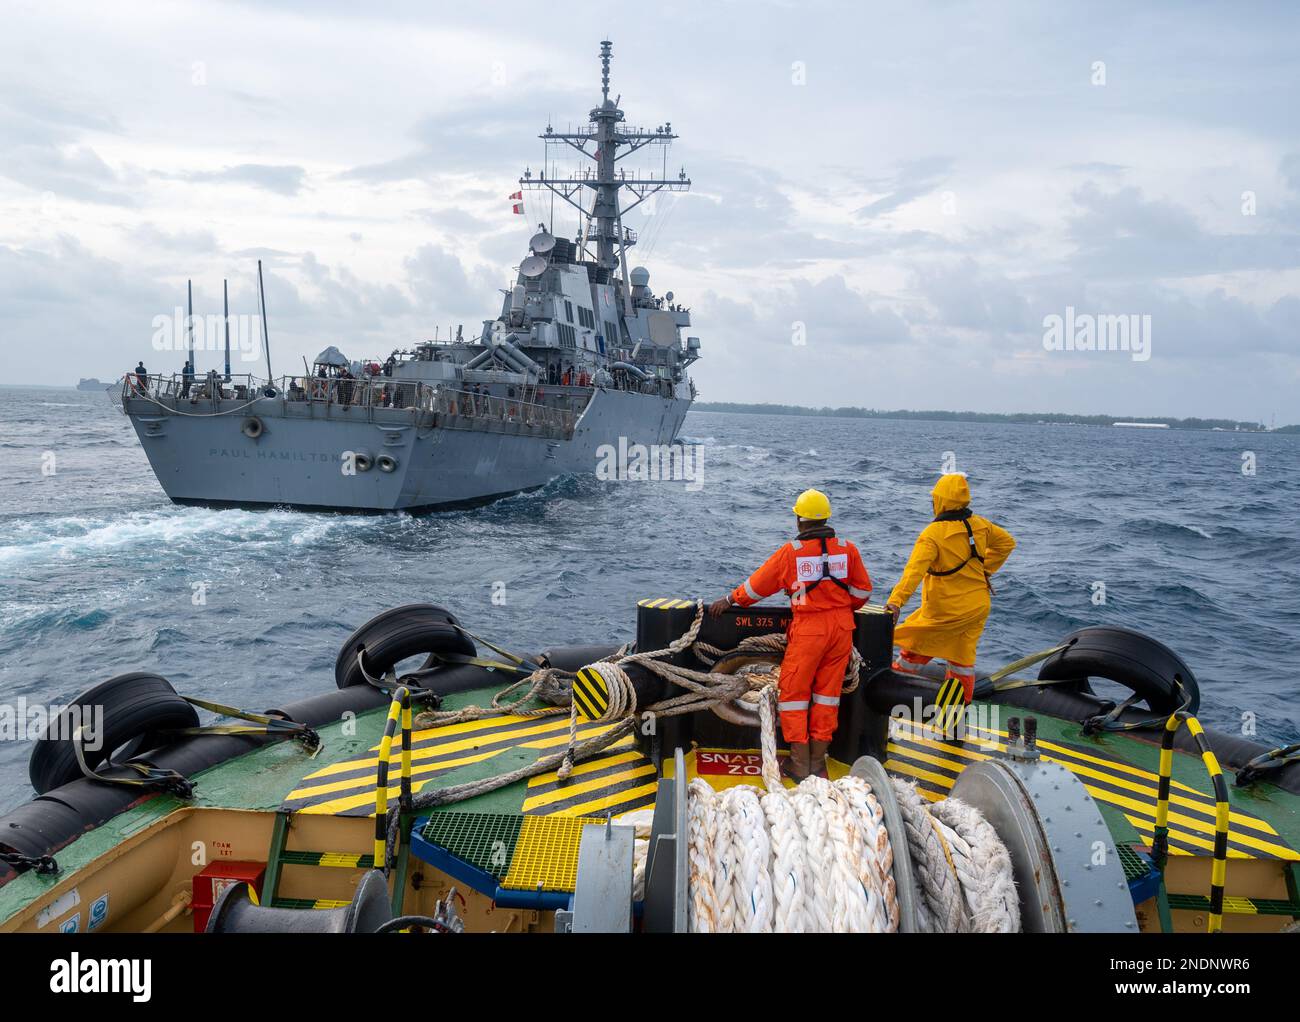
(1029, 417)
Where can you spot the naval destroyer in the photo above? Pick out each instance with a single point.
(583, 358)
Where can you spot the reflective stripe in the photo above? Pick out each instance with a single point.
(791, 707)
(749, 591)
(860, 594)
(822, 700)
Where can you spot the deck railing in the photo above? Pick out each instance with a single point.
(371, 399)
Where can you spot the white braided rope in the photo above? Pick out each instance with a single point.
(878, 872)
(819, 857)
(990, 895)
(791, 880)
(700, 853)
(937, 878)
(752, 854)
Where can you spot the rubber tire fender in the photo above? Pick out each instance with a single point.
(1140, 663)
(397, 634)
(136, 707)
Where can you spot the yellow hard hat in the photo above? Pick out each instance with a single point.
(813, 505)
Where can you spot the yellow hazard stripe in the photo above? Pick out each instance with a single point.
(927, 757)
(590, 693)
(596, 784)
(1189, 827)
(584, 731)
(590, 765)
(1113, 764)
(351, 783)
(920, 773)
(527, 728)
(1237, 818)
(606, 801)
(363, 788)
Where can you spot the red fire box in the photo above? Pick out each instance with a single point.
(214, 878)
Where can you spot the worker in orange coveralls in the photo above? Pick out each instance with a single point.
(955, 555)
(826, 581)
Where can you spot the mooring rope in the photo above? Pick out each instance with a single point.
(819, 858)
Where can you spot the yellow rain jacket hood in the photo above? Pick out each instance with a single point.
(950, 493)
(954, 603)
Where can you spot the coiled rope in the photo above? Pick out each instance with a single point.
(818, 857)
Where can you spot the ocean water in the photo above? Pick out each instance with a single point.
(100, 574)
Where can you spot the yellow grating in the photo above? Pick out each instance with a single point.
(546, 854)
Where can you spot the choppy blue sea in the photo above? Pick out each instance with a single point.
(98, 571)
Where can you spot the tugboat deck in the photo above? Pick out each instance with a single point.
(1118, 771)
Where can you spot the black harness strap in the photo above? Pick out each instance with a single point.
(826, 573)
(974, 554)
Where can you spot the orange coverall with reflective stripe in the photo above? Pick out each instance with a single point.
(820, 637)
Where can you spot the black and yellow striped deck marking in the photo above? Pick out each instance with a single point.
(618, 781)
(665, 603)
(950, 705)
(347, 788)
(934, 764)
(590, 694)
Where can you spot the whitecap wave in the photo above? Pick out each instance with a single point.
(167, 533)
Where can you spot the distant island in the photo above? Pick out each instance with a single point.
(90, 383)
(1033, 418)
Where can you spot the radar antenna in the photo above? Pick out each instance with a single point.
(606, 141)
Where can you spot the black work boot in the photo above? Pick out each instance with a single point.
(795, 765)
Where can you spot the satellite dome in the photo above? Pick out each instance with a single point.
(640, 276)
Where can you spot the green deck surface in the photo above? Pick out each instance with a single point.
(262, 779)
(259, 780)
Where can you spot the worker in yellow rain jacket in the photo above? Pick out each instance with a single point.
(955, 555)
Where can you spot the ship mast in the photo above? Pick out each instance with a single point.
(609, 143)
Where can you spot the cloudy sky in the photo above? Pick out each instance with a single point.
(910, 189)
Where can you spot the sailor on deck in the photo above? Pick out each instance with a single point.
(955, 554)
(826, 581)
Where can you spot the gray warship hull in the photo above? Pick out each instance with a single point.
(298, 460)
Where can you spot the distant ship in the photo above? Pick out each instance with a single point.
(584, 357)
(90, 383)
